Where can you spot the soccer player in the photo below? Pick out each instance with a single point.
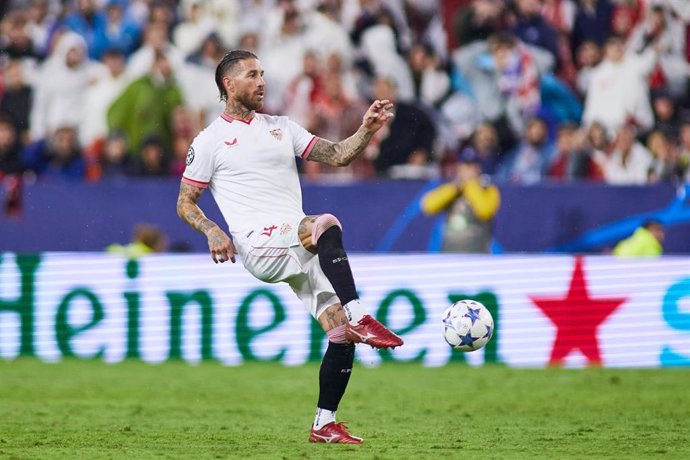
(247, 160)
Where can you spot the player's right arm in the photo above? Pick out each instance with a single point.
(219, 243)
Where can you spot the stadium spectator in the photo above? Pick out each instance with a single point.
(155, 41)
(354, 83)
(459, 117)
(60, 87)
(282, 54)
(666, 115)
(504, 78)
(587, 58)
(324, 33)
(336, 116)
(425, 24)
(597, 137)
(431, 82)
(16, 99)
(478, 21)
(629, 162)
(531, 27)
(147, 239)
(573, 158)
(666, 34)
(84, 20)
(41, 25)
(592, 22)
(646, 241)
(147, 104)
(15, 43)
(209, 52)
(528, 163)
(664, 167)
(233, 17)
(152, 160)
(93, 127)
(684, 152)
(484, 141)
(180, 147)
(196, 25)
(10, 148)
(379, 47)
(470, 201)
(304, 90)
(625, 16)
(115, 31)
(116, 161)
(161, 13)
(57, 156)
(560, 14)
(253, 195)
(406, 144)
(618, 91)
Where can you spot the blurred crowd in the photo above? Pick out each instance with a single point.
(539, 90)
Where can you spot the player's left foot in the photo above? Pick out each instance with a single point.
(334, 432)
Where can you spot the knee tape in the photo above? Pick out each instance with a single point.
(321, 224)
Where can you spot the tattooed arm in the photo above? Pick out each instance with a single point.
(219, 244)
(344, 152)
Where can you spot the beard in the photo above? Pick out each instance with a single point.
(250, 101)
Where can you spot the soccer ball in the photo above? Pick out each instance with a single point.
(467, 325)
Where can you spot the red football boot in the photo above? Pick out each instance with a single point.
(373, 333)
(334, 432)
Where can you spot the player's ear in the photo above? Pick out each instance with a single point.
(229, 84)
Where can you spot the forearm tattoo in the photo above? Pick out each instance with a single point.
(342, 153)
(189, 211)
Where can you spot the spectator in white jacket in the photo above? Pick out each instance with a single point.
(618, 91)
(99, 96)
(629, 163)
(667, 34)
(60, 86)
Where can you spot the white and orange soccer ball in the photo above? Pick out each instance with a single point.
(467, 325)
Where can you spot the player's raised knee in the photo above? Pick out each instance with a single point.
(323, 223)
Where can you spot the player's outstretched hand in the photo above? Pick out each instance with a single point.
(378, 115)
(220, 245)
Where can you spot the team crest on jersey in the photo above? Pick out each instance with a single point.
(190, 156)
(285, 228)
(277, 133)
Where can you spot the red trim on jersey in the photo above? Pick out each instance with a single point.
(229, 119)
(310, 147)
(272, 256)
(194, 183)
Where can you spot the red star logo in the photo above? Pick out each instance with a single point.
(577, 317)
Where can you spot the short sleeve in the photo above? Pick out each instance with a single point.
(200, 165)
(302, 140)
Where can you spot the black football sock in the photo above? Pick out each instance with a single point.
(333, 261)
(336, 368)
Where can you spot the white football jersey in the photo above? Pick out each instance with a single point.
(250, 169)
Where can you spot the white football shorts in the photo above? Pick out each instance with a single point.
(274, 253)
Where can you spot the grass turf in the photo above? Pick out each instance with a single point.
(87, 409)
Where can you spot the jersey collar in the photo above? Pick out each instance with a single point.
(229, 119)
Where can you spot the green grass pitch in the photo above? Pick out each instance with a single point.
(87, 409)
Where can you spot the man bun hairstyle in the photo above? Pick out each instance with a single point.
(226, 65)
